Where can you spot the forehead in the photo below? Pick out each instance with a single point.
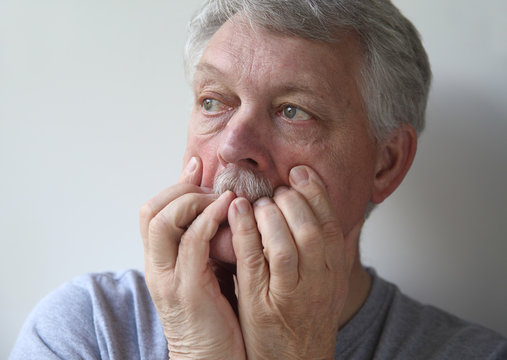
(247, 53)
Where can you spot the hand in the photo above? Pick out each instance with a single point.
(176, 228)
(293, 265)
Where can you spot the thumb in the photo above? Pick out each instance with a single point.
(192, 173)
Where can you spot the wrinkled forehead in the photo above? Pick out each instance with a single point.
(257, 26)
(243, 48)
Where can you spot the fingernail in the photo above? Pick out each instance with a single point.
(228, 193)
(192, 165)
(299, 175)
(242, 206)
(262, 201)
(280, 190)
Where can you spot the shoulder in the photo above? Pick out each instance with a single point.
(117, 288)
(96, 297)
(92, 316)
(418, 331)
(391, 325)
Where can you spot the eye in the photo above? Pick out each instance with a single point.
(295, 114)
(212, 105)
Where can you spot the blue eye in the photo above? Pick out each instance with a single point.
(295, 114)
(212, 105)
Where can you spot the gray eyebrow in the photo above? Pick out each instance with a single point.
(209, 68)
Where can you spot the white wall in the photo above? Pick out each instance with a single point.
(442, 236)
(93, 109)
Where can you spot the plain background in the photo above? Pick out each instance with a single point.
(93, 111)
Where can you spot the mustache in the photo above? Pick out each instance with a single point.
(243, 182)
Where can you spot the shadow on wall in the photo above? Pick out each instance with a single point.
(449, 217)
(463, 156)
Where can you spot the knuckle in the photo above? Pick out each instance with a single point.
(252, 260)
(190, 205)
(309, 235)
(331, 228)
(157, 225)
(246, 229)
(262, 316)
(190, 235)
(191, 197)
(283, 257)
(146, 212)
(209, 219)
(316, 196)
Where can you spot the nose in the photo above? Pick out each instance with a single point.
(245, 140)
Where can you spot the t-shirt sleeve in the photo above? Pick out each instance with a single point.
(61, 326)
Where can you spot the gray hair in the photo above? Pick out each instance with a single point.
(395, 77)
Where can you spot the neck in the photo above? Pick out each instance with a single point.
(359, 288)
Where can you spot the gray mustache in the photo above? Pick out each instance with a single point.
(243, 182)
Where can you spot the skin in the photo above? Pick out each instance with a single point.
(299, 276)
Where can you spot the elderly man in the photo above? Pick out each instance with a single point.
(306, 115)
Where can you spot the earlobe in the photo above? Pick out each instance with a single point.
(394, 158)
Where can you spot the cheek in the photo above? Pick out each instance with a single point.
(350, 186)
(204, 147)
(347, 169)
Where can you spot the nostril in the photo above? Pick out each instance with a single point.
(252, 162)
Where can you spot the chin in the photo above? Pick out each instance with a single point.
(221, 248)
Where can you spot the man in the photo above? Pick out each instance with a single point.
(306, 115)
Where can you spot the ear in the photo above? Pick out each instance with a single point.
(394, 157)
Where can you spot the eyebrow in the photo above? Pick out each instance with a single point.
(209, 69)
(288, 88)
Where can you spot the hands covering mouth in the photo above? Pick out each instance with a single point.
(292, 270)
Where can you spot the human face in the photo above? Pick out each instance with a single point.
(268, 102)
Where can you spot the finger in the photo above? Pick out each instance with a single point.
(192, 173)
(167, 227)
(308, 183)
(153, 206)
(279, 247)
(251, 267)
(305, 229)
(187, 183)
(194, 246)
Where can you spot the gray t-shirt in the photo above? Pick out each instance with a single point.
(111, 316)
